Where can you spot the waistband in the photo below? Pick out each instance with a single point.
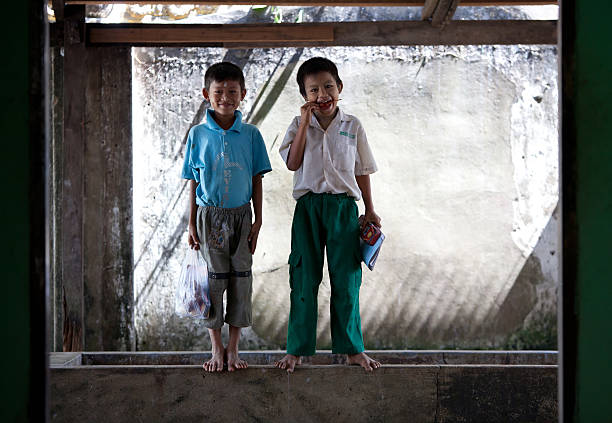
(311, 194)
(230, 210)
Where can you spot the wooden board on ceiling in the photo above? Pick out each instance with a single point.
(414, 3)
(231, 33)
(325, 34)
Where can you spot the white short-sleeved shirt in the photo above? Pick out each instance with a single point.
(332, 158)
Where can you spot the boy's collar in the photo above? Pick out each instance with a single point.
(341, 116)
(211, 123)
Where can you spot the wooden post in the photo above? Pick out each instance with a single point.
(96, 198)
(444, 13)
(75, 55)
(107, 200)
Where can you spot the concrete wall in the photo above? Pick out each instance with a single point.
(466, 142)
(433, 391)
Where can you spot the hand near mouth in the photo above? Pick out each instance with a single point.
(307, 109)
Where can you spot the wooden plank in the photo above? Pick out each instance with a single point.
(452, 9)
(58, 10)
(414, 3)
(72, 182)
(107, 202)
(439, 15)
(444, 13)
(325, 357)
(455, 33)
(179, 34)
(56, 186)
(96, 203)
(429, 8)
(357, 34)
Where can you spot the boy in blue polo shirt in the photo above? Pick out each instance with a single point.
(224, 161)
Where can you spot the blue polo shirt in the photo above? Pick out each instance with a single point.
(223, 162)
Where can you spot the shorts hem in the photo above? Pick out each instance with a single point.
(212, 326)
(239, 324)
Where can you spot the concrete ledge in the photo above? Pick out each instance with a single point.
(172, 358)
(314, 393)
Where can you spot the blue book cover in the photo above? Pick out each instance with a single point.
(370, 241)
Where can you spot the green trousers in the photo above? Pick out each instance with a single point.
(325, 221)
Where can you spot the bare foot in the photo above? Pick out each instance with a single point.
(234, 362)
(364, 361)
(288, 362)
(215, 364)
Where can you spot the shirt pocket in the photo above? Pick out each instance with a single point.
(344, 152)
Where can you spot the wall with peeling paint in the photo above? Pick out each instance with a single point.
(466, 143)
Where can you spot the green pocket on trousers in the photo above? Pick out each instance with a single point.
(295, 259)
(358, 271)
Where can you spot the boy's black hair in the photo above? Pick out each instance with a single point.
(223, 71)
(313, 66)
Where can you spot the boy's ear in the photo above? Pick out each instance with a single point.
(340, 88)
(205, 93)
(243, 94)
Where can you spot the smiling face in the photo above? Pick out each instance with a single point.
(224, 96)
(321, 88)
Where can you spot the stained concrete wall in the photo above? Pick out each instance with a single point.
(466, 142)
(442, 387)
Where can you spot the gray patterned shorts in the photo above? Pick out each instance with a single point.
(223, 234)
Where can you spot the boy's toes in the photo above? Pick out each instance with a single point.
(288, 363)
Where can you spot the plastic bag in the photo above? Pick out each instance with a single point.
(192, 297)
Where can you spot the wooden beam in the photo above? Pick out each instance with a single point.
(58, 10)
(180, 34)
(444, 12)
(428, 9)
(452, 9)
(72, 171)
(107, 201)
(344, 34)
(415, 3)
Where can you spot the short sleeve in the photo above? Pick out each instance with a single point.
(289, 136)
(188, 171)
(364, 161)
(261, 162)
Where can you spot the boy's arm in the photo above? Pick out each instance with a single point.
(193, 240)
(296, 150)
(363, 181)
(257, 207)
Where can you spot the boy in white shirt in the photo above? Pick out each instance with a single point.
(329, 153)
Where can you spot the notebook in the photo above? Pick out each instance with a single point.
(370, 241)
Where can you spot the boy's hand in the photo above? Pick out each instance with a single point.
(369, 217)
(192, 239)
(307, 109)
(252, 239)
